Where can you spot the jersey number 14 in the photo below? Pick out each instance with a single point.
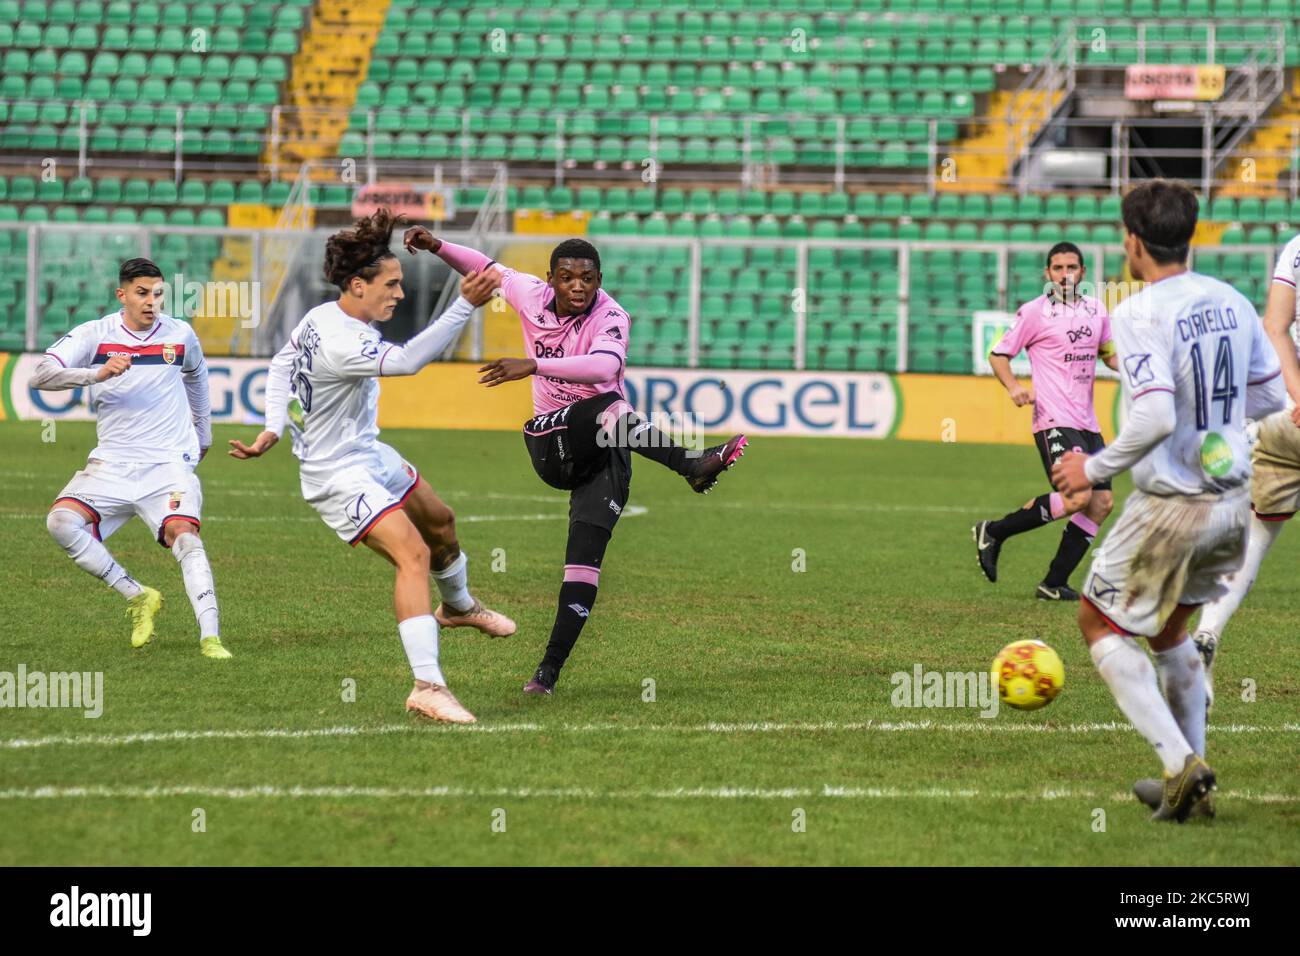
(1222, 389)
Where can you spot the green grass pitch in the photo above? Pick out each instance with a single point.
(771, 738)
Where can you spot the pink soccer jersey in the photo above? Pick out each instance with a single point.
(602, 327)
(1062, 341)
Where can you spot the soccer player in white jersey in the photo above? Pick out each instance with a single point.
(1275, 479)
(362, 488)
(1195, 364)
(148, 387)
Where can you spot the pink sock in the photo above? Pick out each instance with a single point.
(1086, 524)
(1058, 506)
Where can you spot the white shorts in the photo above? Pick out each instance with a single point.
(1166, 551)
(1275, 468)
(113, 492)
(357, 495)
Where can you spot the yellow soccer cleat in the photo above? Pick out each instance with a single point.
(211, 647)
(142, 609)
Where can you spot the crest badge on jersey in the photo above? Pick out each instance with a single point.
(174, 501)
(169, 354)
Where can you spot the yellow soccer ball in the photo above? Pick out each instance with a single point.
(1029, 675)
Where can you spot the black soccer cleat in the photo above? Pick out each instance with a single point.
(712, 462)
(1064, 592)
(987, 549)
(543, 681)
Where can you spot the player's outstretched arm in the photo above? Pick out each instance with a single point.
(1151, 420)
(461, 258)
(50, 376)
(475, 290)
(277, 405)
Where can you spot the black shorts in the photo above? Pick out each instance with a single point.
(566, 455)
(1054, 442)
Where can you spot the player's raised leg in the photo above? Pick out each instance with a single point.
(621, 427)
(397, 539)
(75, 527)
(436, 523)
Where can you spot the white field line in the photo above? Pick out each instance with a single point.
(870, 726)
(631, 511)
(587, 793)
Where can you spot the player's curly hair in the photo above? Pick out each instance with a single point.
(359, 251)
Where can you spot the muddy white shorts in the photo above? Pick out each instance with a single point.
(1165, 551)
(1275, 464)
(354, 497)
(113, 492)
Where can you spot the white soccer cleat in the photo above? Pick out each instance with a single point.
(438, 703)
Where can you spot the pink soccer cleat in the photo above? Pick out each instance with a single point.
(490, 622)
(438, 703)
(712, 462)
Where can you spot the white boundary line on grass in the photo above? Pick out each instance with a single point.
(585, 793)
(872, 726)
(631, 511)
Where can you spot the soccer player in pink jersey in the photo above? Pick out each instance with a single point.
(1064, 333)
(584, 430)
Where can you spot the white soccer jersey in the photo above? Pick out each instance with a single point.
(1287, 271)
(336, 361)
(1201, 340)
(143, 415)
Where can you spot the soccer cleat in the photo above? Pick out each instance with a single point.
(1183, 790)
(1151, 791)
(712, 462)
(987, 549)
(1206, 644)
(1062, 593)
(438, 703)
(212, 647)
(490, 622)
(543, 681)
(142, 609)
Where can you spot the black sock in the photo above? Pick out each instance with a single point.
(576, 600)
(1074, 545)
(582, 558)
(1023, 519)
(638, 435)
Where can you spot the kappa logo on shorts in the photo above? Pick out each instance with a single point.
(579, 610)
(358, 510)
(174, 501)
(1056, 448)
(615, 507)
(1102, 590)
(1054, 433)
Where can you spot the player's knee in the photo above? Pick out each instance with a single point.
(174, 531)
(184, 541)
(65, 526)
(415, 555)
(1075, 503)
(443, 524)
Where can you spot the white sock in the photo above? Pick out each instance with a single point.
(420, 638)
(1215, 615)
(1183, 682)
(453, 584)
(69, 529)
(188, 549)
(1132, 680)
